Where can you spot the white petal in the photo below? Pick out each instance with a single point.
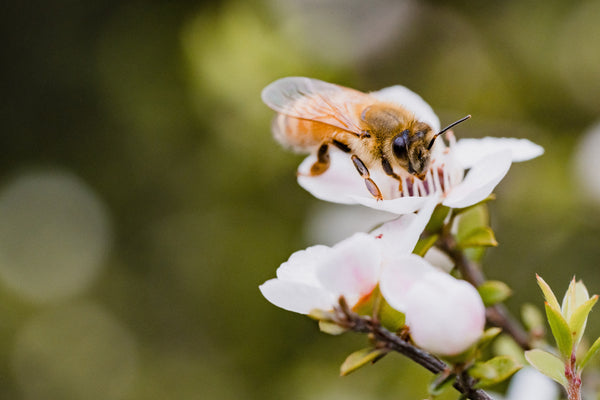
(296, 297)
(469, 151)
(528, 384)
(399, 276)
(301, 266)
(480, 180)
(337, 184)
(352, 267)
(341, 183)
(445, 315)
(400, 236)
(412, 102)
(397, 237)
(402, 205)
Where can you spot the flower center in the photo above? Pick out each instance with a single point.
(442, 176)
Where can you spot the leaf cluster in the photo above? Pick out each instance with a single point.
(567, 323)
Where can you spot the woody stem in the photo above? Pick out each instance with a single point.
(363, 324)
(574, 379)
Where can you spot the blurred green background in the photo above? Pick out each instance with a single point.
(143, 199)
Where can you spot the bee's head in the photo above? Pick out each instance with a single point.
(411, 149)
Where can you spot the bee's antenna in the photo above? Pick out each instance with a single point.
(446, 128)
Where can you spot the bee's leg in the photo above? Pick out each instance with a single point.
(387, 168)
(364, 173)
(341, 145)
(322, 162)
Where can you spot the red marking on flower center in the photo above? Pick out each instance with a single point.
(379, 236)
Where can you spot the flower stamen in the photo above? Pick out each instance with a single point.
(445, 179)
(436, 179)
(420, 188)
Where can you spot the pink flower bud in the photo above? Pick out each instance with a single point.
(445, 315)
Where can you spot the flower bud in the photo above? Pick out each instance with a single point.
(445, 315)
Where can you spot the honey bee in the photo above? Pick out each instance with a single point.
(313, 115)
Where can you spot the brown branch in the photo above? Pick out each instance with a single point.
(363, 324)
(497, 314)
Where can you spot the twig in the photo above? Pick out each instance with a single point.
(363, 324)
(574, 380)
(497, 314)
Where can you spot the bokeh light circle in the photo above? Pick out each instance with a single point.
(77, 351)
(54, 235)
(587, 162)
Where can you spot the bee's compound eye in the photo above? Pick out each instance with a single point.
(399, 145)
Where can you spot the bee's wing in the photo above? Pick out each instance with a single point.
(316, 100)
(411, 101)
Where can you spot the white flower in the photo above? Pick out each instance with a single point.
(445, 315)
(487, 160)
(315, 278)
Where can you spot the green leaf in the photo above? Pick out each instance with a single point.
(375, 304)
(590, 354)
(482, 236)
(361, 358)
(475, 253)
(506, 346)
(487, 337)
(575, 296)
(389, 317)
(366, 304)
(581, 292)
(494, 371)
(331, 328)
(560, 331)
(532, 318)
(436, 222)
(423, 245)
(470, 219)
(548, 293)
(579, 317)
(483, 371)
(569, 300)
(548, 364)
(493, 292)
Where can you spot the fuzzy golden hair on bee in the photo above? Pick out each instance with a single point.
(374, 130)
